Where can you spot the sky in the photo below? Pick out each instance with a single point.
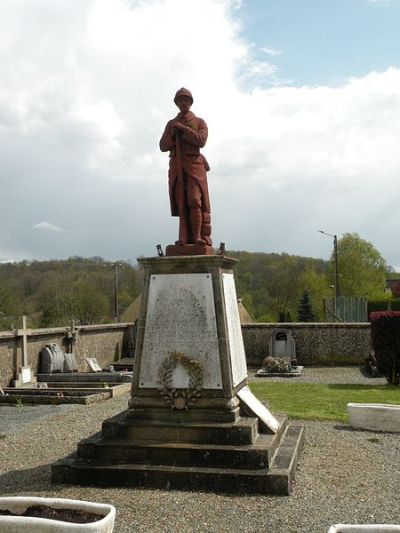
(301, 98)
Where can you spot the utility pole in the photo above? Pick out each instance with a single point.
(335, 257)
(116, 294)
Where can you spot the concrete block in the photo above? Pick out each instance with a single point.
(374, 416)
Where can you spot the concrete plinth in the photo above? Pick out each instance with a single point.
(192, 423)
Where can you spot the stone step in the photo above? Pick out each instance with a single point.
(253, 456)
(277, 480)
(243, 431)
(285, 461)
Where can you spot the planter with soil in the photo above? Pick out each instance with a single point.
(54, 515)
(365, 528)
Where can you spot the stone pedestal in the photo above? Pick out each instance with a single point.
(192, 422)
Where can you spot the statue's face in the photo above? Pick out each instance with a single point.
(184, 103)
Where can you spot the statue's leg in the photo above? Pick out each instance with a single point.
(193, 198)
(183, 214)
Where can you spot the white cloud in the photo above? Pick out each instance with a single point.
(88, 86)
(46, 226)
(271, 51)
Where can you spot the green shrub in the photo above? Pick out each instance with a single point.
(385, 333)
(392, 304)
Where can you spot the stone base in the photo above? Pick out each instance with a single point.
(189, 249)
(187, 455)
(374, 416)
(24, 378)
(86, 377)
(264, 374)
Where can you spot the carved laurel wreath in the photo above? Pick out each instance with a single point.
(180, 398)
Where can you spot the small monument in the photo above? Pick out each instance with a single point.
(283, 345)
(282, 361)
(192, 422)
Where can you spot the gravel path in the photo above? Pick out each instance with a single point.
(343, 476)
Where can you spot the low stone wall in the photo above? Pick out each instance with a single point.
(316, 343)
(106, 342)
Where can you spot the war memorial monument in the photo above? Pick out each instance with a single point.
(192, 422)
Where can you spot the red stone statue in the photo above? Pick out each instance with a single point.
(188, 190)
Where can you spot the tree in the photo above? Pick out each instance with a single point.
(317, 286)
(283, 287)
(305, 310)
(89, 305)
(361, 267)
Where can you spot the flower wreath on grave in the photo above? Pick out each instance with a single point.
(180, 398)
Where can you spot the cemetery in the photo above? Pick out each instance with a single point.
(202, 430)
(101, 452)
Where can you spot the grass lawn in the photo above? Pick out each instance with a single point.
(309, 401)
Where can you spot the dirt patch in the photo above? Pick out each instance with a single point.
(75, 516)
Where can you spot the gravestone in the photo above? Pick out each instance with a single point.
(282, 360)
(283, 346)
(93, 364)
(70, 363)
(51, 359)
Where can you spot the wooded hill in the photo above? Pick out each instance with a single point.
(271, 286)
(52, 293)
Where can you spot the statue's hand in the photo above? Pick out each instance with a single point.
(179, 126)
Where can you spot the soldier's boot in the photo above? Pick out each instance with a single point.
(206, 228)
(196, 220)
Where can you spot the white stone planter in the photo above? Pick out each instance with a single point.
(17, 524)
(374, 416)
(372, 528)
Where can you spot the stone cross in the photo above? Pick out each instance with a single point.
(24, 332)
(25, 373)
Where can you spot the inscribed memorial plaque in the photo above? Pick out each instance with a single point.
(180, 318)
(256, 408)
(26, 375)
(238, 356)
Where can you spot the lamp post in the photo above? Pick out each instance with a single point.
(335, 255)
(116, 293)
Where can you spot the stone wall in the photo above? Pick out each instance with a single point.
(106, 342)
(316, 344)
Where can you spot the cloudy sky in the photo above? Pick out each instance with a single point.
(302, 100)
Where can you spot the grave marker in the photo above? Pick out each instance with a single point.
(24, 376)
(283, 346)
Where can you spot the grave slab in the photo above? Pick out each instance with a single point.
(296, 372)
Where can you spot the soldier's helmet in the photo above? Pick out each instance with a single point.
(183, 92)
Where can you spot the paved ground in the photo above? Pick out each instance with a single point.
(14, 419)
(343, 476)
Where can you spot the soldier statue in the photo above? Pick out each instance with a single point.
(188, 190)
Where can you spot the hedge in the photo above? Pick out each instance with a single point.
(385, 334)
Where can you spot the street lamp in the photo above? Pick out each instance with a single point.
(335, 254)
(116, 294)
(116, 306)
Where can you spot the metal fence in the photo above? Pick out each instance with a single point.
(346, 309)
